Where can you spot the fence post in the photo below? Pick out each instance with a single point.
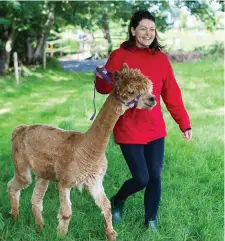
(44, 57)
(15, 59)
(51, 50)
(61, 54)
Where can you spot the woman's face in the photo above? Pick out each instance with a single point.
(144, 33)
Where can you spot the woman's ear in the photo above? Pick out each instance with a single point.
(132, 31)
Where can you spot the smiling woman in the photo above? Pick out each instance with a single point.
(141, 133)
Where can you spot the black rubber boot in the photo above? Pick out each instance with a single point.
(117, 210)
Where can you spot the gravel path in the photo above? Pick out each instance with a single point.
(81, 65)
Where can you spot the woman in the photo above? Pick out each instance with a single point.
(141, 133)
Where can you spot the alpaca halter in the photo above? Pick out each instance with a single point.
(134, 101)
(108, 79)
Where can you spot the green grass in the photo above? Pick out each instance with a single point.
(192, 201)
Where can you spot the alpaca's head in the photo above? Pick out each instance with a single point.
(133, 88)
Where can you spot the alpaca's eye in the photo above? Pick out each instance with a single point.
(130, 92)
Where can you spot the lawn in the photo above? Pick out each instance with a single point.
(192, 200)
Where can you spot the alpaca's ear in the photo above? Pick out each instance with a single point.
(116, 76)
(139, 71)
(125, 66)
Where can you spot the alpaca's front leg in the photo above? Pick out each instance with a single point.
(97, 191)
(65, 211)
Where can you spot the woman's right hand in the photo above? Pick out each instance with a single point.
(99, 75)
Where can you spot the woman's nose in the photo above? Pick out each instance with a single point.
(148, 32)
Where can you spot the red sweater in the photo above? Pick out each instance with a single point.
(139, 126)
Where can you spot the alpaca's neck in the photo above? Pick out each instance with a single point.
(99, 132)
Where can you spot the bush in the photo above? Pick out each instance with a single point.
(215, 50)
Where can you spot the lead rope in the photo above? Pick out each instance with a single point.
(93, 116)
(107, 79)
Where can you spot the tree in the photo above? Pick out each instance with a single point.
(202, 10)
(26, 25)
(183, 19)
(27, 28)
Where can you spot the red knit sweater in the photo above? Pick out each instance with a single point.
(139, 126)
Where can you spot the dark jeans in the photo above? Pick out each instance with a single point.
(145, 163)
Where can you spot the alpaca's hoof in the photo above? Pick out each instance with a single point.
(39, 225)
(111, 235)
(62, 231)
(39, 229)
(14, 214)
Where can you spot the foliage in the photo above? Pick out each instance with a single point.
(203, 11)
(215, 50)
(183, 19)
(26, 27)
(27, 24)
(222, 4)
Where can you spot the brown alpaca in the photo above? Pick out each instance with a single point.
(74, 159)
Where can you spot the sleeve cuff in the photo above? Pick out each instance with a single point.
(188, 129)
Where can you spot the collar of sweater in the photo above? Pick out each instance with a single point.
(135, 48)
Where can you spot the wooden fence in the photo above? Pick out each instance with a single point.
(52, 47)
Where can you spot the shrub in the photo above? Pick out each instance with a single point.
(215, 50)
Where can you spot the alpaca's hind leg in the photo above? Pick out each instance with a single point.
(14, 186)
(65, 211)
(37, 199)
(97, 191)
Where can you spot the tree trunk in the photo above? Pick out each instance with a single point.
(8, 53)
(42, 40)
(2, 64)
(29, 50)
(37, 53)
(7, 60)
(105, 29)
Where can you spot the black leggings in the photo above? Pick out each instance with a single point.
(145, 163)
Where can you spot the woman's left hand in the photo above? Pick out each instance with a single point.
(187, 135)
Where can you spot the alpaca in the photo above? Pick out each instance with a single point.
(74, 159)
